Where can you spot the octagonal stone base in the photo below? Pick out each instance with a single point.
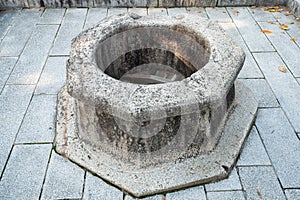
(201, 169)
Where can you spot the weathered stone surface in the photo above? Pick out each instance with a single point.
(270, 2)
(236, 2)
(183, 3)
(294, 5)
(141, 117)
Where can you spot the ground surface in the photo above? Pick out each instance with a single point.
(34, 46)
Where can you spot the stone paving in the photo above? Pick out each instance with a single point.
(34, 46)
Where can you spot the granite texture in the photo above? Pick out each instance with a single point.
(294, 5)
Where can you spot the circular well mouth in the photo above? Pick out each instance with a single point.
(152, 55)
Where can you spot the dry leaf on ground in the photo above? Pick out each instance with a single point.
(264, 8)
(259, 194)
(188, 9)
(179, 17)
(284, 27)
(236, 12)
(266, 31)
(291, 22)
(197, 11)
(253, 7)
(282, 69)
(272, 10)
(293, 39)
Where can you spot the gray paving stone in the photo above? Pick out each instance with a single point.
(261, 15)
(260, 183)
(71, 26)
(16, 38)
(282, 145)
(250, 68)
(294, 28)
(194, 193)
(155, 197)
(250, 30)
(262, 91)
(6, 66)
(139, 11)
(7, 20)
(231, 183)
(218, 14)
(284, 85)
(32, 60)
(94, 15)
(116, 11)
(52, 16)
(253, 152)
(53, 76)
(64, 179)
(25, 171)
(292, 194)
(176, 11)
(228, 195)
(157, 11)
(14, 101)
(96, 188)
(39, 122)
(195, 11)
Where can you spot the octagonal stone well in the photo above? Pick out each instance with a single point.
(151, 104)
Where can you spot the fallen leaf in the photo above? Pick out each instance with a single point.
(179, 17)
(293, 39)
(197, 11)
(266, 31)
(253, 7)
(271, 22)
(163, 198)
(284, 27)
(276, 7)
(188, 9)
(264, 8)
(287, 13)
(282, 69)
(236, 12)
(291, 22)
(259, 194)
(298, 23)
(279, 10)
(272, 10)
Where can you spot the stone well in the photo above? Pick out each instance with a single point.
(151, 103)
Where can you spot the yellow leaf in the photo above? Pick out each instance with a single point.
(266, 31)
(236, 12)
(298, 23)
(293, 39)
(284, 27)
(282, 69)
(197, 11)
(272, 10)
(253, 7)
(276, 7)
(291, 22)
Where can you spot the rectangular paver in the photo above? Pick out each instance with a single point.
(96, 188)
(262, 91)
(197, 11)
(287, 49)
(6, 66)
(39, 122)
(116, 11)
(262, 15)
(176, 11)
(14, 101)
(284, 85)
(16, 38)
(155, 197)
(52, 16)
(253, 152)
(157, 11)
(282, 145)
(64, 179)
(250, 30)
(71, 26)
(53, 76)
(261, 183)
(94, 15)
(194, 193)
(25, 171)
(292, 194)
(228, 195)
(139, 11)
(32, 60)
(230, 183)
(7, 19)
(218, 14)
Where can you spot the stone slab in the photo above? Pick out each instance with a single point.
(203, 168)
(28, 70)
(228, 195)
(198, 11)
(53, 76)
(94, 15)
(116, 11)
(7, 19)
(155, 197)
(72, 24)
(157, 11)
(260, 183)
(281, 40)
(16, 38)
(262, 91)
(95, 188)
(24, 174)
(176, 11)
(139, 11)
(52, 16)
(254, 38)
(194, 193)
(230, 183)
(14, 101)
(254, 152)
(262, 15)
(64, 180)
(292, 194)
(184, 3)
(284, 85)
(219, 15)
(7, 64)
(39, 122)
(281, 142)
